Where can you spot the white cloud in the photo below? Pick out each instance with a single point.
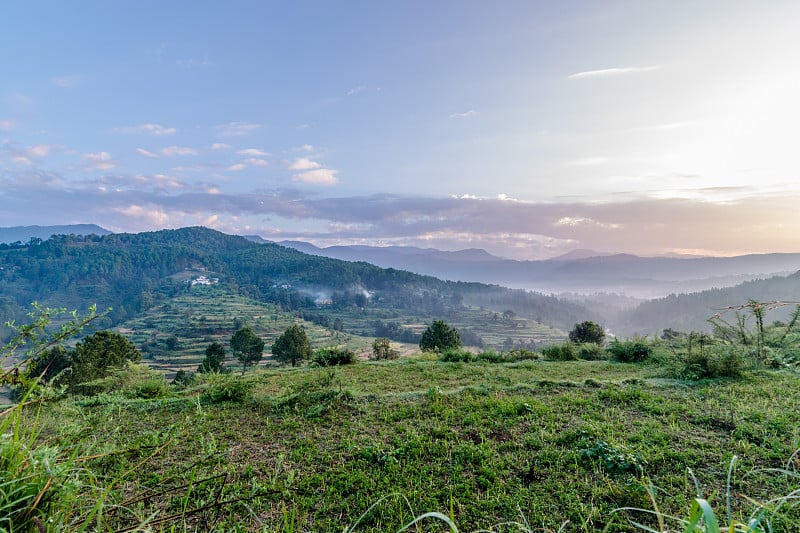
(151, 129)
(253, 152)
(100, 161)
(146, 153)
(237, 167)
(355, 90)
(255, 162)
(305, 148)
(303, 163)
(67, 82)
(221, 146)
(236, 129)
(194, 63)
(574, 222)
(171, 151)
(40, 150)
(615, 71)
(320, 176)
(152, 217)
(465, 114)
(7, 125)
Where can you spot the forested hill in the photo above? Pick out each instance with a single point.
(131, 272)
(687, 312)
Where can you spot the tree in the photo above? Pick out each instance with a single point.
(97, 354)
(214, 360)
(438, 337)
(587, 331)
(382, 349)
(292, 346)
(247, 347)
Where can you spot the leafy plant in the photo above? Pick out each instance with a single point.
(613, 459)
(633, 350)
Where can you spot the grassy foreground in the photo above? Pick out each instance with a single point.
(535, 442)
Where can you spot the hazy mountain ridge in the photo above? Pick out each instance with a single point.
(688, 312)
(24, 234)
(585, 271)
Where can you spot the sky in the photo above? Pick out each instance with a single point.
(526, 128)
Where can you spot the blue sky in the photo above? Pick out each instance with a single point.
(526, 128)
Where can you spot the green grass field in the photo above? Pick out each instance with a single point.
(312, 449)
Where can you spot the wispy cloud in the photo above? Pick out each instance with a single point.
(151, 129)
(303, 163)
(319, 176)
(195, 63)
(237, 167)
(588, 161)
(221, 146)
(614, 71)
(236, 129)
(7, 125)
(255, 162)
(355, 90)
(67, 82)
(146, 153)
(172, 151)
(26, 155)
(465, 114)
(253, 151)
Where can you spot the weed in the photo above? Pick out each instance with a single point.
(613, 459)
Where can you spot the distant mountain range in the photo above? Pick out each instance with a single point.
(24, 234)
(579, 271)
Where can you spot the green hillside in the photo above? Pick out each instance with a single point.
(131, 273)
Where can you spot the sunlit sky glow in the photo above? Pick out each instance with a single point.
(527, 128)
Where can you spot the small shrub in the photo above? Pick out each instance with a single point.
(226, 388)
(454, 355)
(614, 460)
(493, 357)
(152, 388)
(560, 352)
(333, 356)
(382, 350)
(521, 354)
(630, 351)
(716, 362)
(591, 351)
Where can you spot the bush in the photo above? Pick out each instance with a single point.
(153, 388)
(333, 356)
(590, 351)
(225, 388)
(454, 355)
(629, 351)
(715, 362)
(560, 352)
